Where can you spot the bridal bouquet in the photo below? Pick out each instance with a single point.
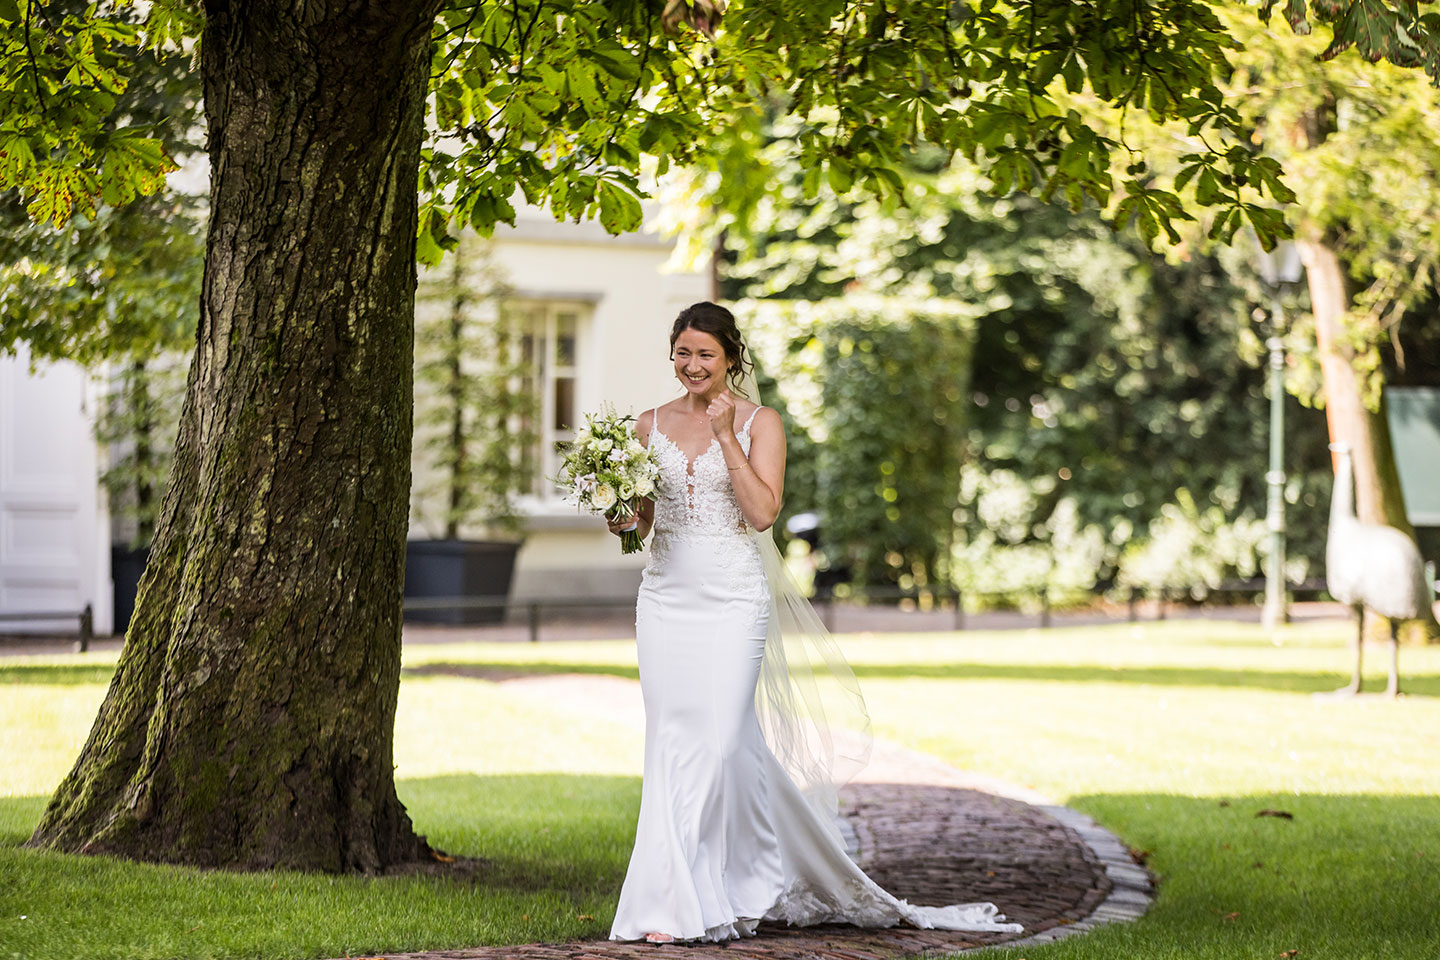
(608, 471)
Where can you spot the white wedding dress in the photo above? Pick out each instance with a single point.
(725, 838)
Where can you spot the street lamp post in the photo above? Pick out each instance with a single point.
(1278, 268)
(1276, 599)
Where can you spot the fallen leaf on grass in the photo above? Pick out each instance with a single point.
(1230, 916)
(1282, 814)
(1224, 803)
(1257, 865)
(584, 916)
(1289, 953)
(442, 857)
(1141, 857)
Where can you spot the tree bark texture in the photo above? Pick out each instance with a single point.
(1378, 496)
(250, 721)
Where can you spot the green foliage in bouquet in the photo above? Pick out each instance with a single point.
(474, 417)
(608, 471)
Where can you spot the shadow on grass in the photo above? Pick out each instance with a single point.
(1345, 876)
(500, 672)
(1427, 685)
(535, 832)
(554, 849)
(57, 674)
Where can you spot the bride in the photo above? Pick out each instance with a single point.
(743, 747)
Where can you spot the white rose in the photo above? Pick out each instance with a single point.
(633, 448)
(644, 487)
(627, 490)
(603, 496)
(604, 444)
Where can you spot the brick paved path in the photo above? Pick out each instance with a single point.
(924, 831)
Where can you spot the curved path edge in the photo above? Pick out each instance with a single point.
(922, 829)
(1131, 886)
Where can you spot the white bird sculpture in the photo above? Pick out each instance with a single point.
(1371, 565)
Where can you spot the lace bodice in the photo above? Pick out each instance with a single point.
(695, 496)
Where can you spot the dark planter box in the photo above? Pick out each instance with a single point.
(126, 567)
(459, 568)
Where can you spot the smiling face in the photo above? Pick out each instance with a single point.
(700, 363)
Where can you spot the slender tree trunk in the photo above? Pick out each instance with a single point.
(250, 720)
(144, 415)
(459, 467)
(1378, 496)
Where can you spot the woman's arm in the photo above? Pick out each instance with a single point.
(759, 480)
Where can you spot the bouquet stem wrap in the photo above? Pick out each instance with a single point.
(630, 541)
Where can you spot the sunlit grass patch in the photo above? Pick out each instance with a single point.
(1174, 735)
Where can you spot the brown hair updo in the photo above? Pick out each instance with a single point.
(720, 323)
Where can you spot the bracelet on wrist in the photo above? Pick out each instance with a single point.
(742, 466)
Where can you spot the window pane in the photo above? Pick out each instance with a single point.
(564, 404)
(565, 340)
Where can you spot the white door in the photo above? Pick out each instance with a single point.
(54, 537)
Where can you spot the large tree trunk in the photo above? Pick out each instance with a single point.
(1378, 497)
(250, 721)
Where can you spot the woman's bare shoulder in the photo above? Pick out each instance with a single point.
(768, 415)
(645, 422)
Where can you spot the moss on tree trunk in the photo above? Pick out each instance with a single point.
(250, 721)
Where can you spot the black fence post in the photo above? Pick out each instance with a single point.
(534, 622)
(87, 628)
(1044, 607)
(959, 610)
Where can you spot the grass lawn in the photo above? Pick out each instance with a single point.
(1172, 734)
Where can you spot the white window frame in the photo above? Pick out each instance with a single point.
(541, 317)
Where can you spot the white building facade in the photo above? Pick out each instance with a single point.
(599, 309)
(54, 529)
(622, 302)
